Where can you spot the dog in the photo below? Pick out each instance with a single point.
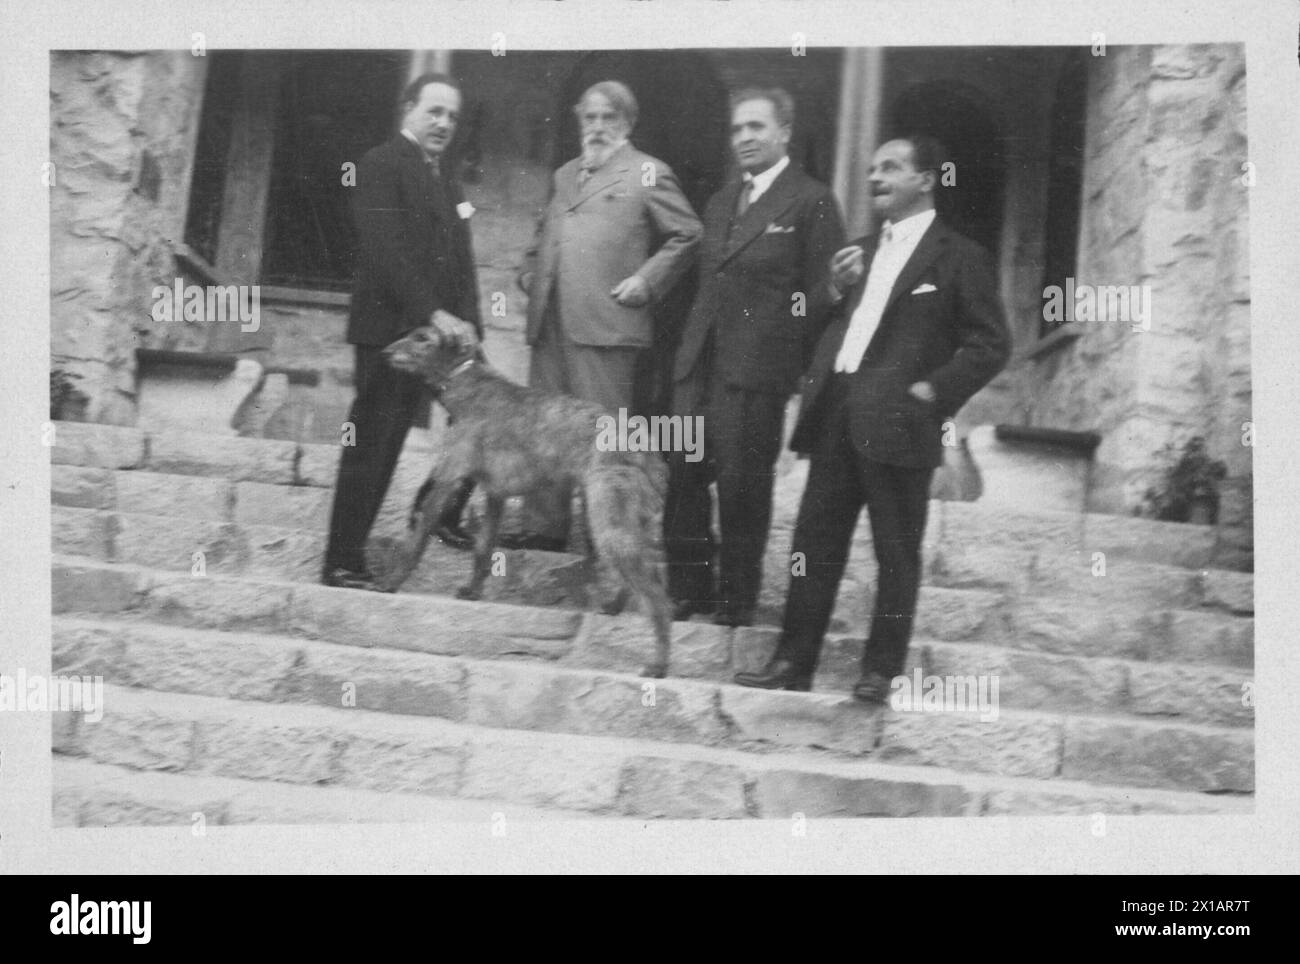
(510, 440)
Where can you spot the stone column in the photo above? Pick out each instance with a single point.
(121, 126)
(1193, 367)
(857, 131)
(1164, 206)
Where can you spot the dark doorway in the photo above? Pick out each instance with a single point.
(684, 122)
(1065, 177)
(944, 110)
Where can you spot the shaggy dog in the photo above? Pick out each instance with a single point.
(511, 440)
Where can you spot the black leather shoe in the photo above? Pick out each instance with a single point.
(778, 674)
(451, 534)
(342, 578)
(734, 616)
(532, 540)
(872, 689)
(684, 609)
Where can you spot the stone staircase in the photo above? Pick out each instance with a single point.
(237, 687)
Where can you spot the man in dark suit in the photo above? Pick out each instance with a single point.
(415, 267)
(617, 235)
(919, 332)
(763, 299)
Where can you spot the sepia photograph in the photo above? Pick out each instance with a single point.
(769, 429)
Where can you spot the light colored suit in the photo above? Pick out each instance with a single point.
(630, 217)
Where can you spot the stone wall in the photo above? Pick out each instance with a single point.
(1164, 206)
(1091, 383)
(120, 129)
(1194, 374)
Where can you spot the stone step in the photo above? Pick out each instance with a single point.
(85, 454)
(279, 531)
(358, 749)
(1027, 679)
(1124, 614)
(90, 794)
(955, 555)
(1199, 688)
(531, 695)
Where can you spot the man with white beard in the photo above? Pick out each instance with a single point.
(617, 235)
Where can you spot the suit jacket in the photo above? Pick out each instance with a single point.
(414, 254)
(943, 323)
(592, 237)
(744, 322)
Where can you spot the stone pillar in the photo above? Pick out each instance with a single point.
(1193, 367)
(857, 132)
(429, 61)
(1165, 207)
(121, 140)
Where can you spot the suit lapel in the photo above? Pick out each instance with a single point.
(612, 171)
(922, 257)
(772, 204)
(929, 248)
(420, 169)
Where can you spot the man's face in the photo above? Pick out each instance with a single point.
(757, 139)
(432, 118)
(898, 189)
(602, 124)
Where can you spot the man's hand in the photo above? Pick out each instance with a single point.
(847, 267)
(631, 292)
(922, 390)
(453, 329)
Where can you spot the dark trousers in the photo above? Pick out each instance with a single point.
(385, 404)
(742, 439)
(840, 482)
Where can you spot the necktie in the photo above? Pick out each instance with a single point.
(743, 205)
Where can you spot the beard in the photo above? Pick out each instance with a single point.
(595, 155)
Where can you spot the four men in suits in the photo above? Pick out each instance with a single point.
(896, 333)
(919, 330)
(763, 299)
(617, 235)
(415, 267)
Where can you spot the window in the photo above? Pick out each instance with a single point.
(333, 108)
(267, 199)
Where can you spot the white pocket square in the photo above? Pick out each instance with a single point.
(775, 228)
(924, 289)
(465, 210)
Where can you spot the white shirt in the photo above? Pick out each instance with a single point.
(897, 242)
(759, 183)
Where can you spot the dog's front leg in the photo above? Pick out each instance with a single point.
(418, 531)
(485, 542)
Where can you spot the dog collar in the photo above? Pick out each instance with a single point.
(462, 367)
